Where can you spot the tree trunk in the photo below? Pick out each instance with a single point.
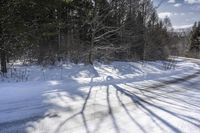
(91, 50)
(42, 50)
(3, 62)
(90, 56)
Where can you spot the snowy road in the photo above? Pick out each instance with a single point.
(170, 104)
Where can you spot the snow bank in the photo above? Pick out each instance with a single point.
(73, 98)
(21, 73)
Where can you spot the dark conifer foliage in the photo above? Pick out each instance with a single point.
(195, 37)
(47, 31)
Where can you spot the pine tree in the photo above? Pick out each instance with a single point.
(195, 38)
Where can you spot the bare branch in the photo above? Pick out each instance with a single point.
(107, 33)
(159, 4)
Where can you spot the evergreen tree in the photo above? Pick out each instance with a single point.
(82, 30)
(195, 38)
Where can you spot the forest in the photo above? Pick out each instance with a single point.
(82, 31)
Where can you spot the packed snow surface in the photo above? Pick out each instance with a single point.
(120, 97)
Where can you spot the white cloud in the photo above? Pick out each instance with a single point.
(162, 15)
(172, 1)
(193, 1)
(178, 14)
(177, 5)
(183, 26)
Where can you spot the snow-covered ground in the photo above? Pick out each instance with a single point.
(121, 97)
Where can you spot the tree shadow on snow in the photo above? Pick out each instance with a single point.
(81, 113)
(140, 98)
(142, 102)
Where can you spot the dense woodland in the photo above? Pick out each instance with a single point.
(46, 31)
(194, 50)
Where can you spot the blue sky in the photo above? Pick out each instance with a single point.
(183, 13)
